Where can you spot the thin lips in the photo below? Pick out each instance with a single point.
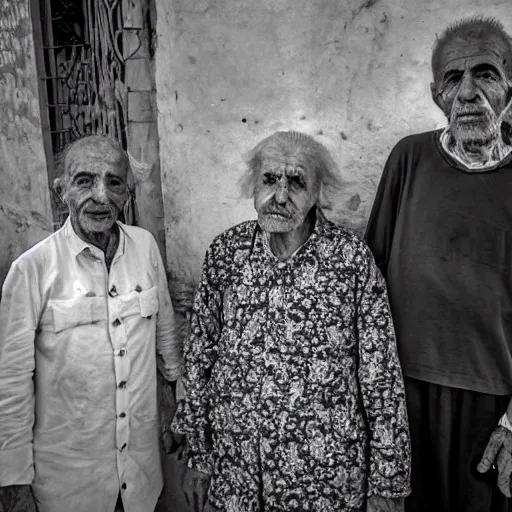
(470, 114)
(279, 213)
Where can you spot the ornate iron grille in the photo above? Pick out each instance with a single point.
(83, 69)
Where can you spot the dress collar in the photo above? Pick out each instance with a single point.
(317, 232)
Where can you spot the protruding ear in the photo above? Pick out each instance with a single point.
(506, 119)
(436, 96)
(509, 93)
(58, 187)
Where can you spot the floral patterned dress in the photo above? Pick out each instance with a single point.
(294, 393)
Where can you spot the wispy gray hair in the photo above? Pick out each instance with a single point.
(313, 156)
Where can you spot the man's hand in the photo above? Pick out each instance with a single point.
(17, 498)
(380, 504)
(499, 452)
(167, 407)
(195, 489)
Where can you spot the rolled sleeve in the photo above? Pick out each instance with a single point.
(168, 342)
(18, 321)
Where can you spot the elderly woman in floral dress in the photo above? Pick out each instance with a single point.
(294, 392)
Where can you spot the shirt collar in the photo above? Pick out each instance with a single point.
(77, 245)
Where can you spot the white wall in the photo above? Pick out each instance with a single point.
(354, 73)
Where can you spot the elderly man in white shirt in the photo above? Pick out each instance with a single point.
(84, 320)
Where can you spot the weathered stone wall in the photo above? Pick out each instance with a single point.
(25, 212)
(355, 74)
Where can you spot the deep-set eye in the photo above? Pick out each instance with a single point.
(269, 179)
(453, 78)
(486, 75)
(116, 183)
(296, 182)
(83, 181)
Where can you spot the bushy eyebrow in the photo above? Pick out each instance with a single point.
(297, 171)
(479, 68)
(485, 66)
(116, 176)
(90, 174)
(278, 170)
(82, 174)
(453, 72)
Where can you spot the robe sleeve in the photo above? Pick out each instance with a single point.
(19, 316)
(381, 223)
(382, 387)
(200, 352)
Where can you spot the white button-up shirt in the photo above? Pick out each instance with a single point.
(79, 346)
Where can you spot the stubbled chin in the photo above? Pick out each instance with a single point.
(271, 224)
(474, 131)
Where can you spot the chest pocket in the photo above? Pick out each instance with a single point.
(148, 301)
(74, 312)
(144, 303)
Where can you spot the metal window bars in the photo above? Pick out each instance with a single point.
(84, 69)
(82, 72)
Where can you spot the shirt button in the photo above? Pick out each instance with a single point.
(122, 415)
(113, 291)
(116, 322)
(123, 486)
(122, 352)
(122, 384)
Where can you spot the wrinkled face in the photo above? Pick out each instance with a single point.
(284, 194)
(472, 89)
(95, 188)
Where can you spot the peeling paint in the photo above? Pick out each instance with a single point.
(368, 4)
(25, 212)
(354, 202)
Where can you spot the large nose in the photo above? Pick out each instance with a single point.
(468, 91)
(282, 191)
(99, 191)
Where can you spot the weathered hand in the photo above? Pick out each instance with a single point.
(167, 407)
(180, 389)
(380, 504)
(195, 489)
(17, 498)
(499, 452)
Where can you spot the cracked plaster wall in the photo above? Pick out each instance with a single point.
(355, 74)
(25, 211)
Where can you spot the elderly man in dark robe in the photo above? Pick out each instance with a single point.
(84, 319)
(294, 393)
(441, 233)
